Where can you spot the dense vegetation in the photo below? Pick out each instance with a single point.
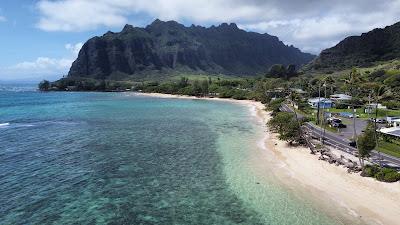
(381, 174)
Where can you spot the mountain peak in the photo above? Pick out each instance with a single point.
(159, 23)
(231, 26)
(127, 27)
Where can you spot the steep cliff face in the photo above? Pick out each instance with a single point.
(172, 47)
(376, 45)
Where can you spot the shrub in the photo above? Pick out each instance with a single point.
(340, 106)
(392, 104)
(370, 171)
(392, 177)
(387, 175)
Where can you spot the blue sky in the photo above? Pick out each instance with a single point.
(40, 38)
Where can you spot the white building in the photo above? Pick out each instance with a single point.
(370, 108)
(392, 131)
(340, 97)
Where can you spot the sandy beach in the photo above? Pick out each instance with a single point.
(364, 199)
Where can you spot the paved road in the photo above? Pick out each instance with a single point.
(342, 143)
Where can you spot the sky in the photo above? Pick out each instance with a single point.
(39, 39)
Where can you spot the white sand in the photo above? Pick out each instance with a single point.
(371, 201)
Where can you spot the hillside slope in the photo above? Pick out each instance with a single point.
(362, 51)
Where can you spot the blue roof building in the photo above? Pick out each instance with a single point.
(323, 103)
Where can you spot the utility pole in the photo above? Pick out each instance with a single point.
(319, 102)
(354, 124)
(323, 117)
(369, 106)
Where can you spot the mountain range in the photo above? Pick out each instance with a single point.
(361, 51)
(169, 47)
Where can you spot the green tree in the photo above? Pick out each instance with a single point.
(277, 70)
(183, 82)
(330, 83)
(197, 88)
(286, 126)
(204, 87)
(44, 85)
(379, 93)
(291, 70)
(366, 143)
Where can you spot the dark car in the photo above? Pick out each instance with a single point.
(353, 144)
(338, 125)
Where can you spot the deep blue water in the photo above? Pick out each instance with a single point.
(116, 158)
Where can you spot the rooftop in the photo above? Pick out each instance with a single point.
(394, 131)
(319, 100)
(341, 96)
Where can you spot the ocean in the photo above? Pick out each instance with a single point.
(122, 158)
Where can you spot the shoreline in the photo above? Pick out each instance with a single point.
(361, 198)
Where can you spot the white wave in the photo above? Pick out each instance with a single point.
(2, 125)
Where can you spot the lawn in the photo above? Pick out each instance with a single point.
(389, 148)
(360, 112)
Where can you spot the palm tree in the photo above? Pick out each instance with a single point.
(379, 93)
(329, 82)
(294, 97)
(352, 82)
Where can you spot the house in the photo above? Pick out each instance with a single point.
(323, 103)
(71, 88)
(393, 119)
(340, 97)
(392, 131)
(298, 91)
(370, 108)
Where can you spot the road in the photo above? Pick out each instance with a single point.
(342, 143)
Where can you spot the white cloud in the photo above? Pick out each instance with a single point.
(3, 19)
(310, 25)
(74, 15)
(42, 67)
(74, 48)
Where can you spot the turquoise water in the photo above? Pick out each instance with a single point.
(116, 158)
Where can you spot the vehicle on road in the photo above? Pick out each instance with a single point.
(353, 144)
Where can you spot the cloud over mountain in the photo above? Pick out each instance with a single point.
(311, 25)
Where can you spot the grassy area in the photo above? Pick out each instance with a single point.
(201, 77)
(389, 148)
(360, 112)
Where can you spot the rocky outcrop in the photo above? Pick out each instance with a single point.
(363, 51)
(168, 47)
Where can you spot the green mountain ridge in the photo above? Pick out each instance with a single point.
(366, 50)
(164, 48)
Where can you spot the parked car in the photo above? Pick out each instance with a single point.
(334, 119)
(378, 120)
(348, 115)
(338, 125)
